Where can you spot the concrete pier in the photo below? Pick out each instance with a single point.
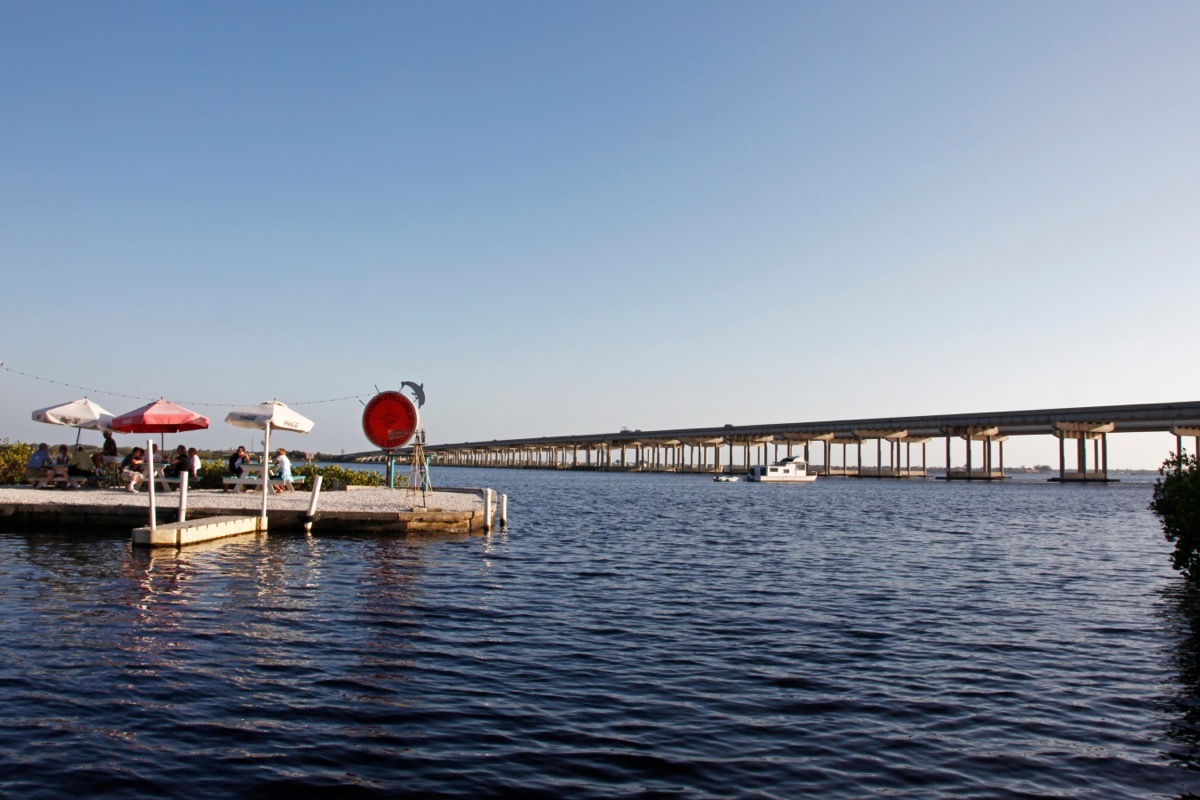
(215, 514)
(177, 534)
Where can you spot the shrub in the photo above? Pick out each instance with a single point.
(346, 477)
(13, 458)
(211, 473)
(1177, 503)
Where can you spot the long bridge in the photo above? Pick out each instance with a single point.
(977, 438)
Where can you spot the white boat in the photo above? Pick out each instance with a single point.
(726, 479)
(789, 470)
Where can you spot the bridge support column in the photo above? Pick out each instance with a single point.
(1082, 432)
(986, 435)
(1180, 431)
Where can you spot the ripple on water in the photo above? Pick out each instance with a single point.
(630, 635)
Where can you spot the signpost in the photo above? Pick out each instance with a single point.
(390, 421)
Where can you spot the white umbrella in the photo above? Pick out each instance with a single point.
(267, 417)
(78, 414)
(273, 415)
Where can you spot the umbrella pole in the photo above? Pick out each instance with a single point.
(150, 478)
(265, 474)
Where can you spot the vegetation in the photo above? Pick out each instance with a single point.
(1177, 503)
(334, 475)
(213, 467)
(211, 473)
(13, 458)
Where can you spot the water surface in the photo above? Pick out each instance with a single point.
(628, 635)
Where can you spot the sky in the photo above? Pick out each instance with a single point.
(576, 217)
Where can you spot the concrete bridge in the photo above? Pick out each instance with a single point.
(973, 441)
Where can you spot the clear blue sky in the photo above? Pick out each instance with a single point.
(573, 217)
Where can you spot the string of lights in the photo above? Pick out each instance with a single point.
(91, 390)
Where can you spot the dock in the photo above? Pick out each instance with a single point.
(214, 514)
(192, 531)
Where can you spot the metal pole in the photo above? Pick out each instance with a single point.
(312, 503)
(266, 481)
(150, 477)
(183, 487)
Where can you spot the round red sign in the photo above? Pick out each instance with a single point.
(390, 420)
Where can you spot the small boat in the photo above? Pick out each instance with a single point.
(789, 470)
(726, 479)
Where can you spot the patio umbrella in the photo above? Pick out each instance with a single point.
(267, 417)
(159, 417)
(78, 414)
(162, 418)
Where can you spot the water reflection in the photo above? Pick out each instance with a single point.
(660, 635)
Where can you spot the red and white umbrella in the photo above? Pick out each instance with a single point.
(159, 417)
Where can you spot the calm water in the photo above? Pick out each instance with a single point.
(650, 636)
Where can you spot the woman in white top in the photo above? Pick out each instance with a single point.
(283, 469)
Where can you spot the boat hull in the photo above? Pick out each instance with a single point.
(788, 479)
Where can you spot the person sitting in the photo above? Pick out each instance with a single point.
(238, 461)
(62, 465)
(41, 464)
(193, 465)
(283, 470)
(81, 465)
(180, 463)
(133, 468)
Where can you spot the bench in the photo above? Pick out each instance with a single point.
(172, 482)
(241, 483)
(36, 476)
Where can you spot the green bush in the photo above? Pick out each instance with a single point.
(210, 474)
(13, 458)
(1177, 502)
(346, 477)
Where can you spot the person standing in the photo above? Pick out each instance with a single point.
(109, 449)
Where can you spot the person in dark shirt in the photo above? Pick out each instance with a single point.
(238, 461)
(133, 469)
